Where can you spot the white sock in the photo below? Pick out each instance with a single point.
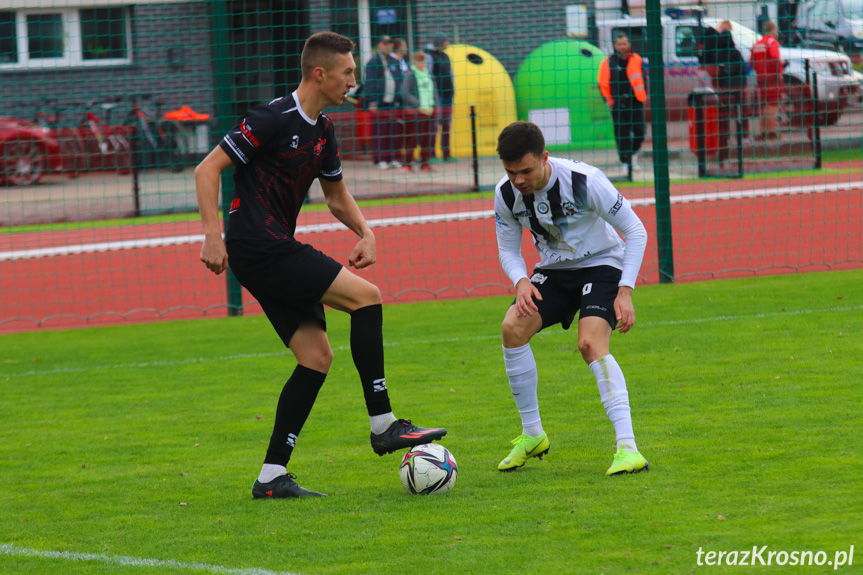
(523, 380)
(381, 423)
(270, 471)
(615, 399)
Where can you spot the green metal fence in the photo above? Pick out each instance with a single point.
(106, 110)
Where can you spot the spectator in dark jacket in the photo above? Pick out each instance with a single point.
(399, 69)
(444, 79)
(786, 12)
(379, 98)
(730, 78)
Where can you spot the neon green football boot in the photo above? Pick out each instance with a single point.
(524, 448)
(627, 462)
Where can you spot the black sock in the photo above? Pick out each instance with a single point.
(367, 349)
(295, 403)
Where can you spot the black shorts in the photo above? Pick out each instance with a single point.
(588, 292)
(288, 278)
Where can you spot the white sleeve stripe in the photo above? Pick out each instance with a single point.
(240, 155)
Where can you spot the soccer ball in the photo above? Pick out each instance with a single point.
(428, 468)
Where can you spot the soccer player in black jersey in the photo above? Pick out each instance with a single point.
(278, 149)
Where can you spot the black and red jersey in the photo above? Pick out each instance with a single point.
(278, 151)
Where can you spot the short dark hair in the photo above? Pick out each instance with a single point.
(320, 49)
(518, 139)
(621, 36)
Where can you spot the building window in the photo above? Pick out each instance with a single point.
(64, 37)
(103, 34)
(8, 39)
(45, 36)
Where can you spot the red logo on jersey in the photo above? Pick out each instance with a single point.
(320, 146)
(235, 204)
(247, 132)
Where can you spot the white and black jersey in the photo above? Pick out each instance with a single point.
(573, 221)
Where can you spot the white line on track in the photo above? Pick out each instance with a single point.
(12, 550)
(198, 238)
(409, 220)
(424, 343)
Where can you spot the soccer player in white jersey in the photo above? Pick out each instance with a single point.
(574, 214)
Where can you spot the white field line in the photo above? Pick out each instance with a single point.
(423, 342)
(409, 220)
(12, 550)
(198, 238)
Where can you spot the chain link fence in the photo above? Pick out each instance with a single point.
(742, 155)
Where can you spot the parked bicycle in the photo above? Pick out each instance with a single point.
(156, 140)
(72, 148)
(107, 145)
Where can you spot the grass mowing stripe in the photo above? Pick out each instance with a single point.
(223, 358)
(11, 550)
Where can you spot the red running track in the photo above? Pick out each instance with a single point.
(416, 262)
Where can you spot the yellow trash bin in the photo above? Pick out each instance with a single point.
(481, 81)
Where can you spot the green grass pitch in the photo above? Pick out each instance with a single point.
(133, 448)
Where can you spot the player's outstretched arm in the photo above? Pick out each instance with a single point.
(207, 175)
(343, 206)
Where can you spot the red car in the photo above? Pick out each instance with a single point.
(27, 152)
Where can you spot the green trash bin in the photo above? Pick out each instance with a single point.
(556, 88)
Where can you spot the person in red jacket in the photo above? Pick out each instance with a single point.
(621, 83)
(766, 62)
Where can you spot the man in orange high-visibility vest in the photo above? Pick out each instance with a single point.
(621, 82)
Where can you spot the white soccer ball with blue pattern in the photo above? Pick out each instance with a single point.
(427, 469)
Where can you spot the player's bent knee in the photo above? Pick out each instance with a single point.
(364, 295)
(350, 292)
(515, 333)
(320, 359)
(311, 348)
(371, 295)
(591, 349)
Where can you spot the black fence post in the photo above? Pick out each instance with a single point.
(817, 109)
(474, 149)
(133, 159)
(699, 136)
(738, 122)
